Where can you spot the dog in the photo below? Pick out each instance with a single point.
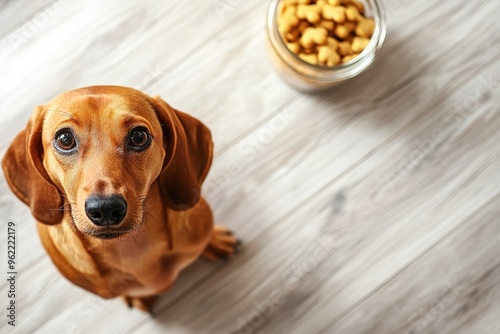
(112, 177)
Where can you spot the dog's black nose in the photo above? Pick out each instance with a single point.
(106, 210)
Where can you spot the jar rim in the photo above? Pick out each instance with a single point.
(321, 72)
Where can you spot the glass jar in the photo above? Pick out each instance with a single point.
(308, 77)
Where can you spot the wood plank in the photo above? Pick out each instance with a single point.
(452, 288)
(419, 213)
(20, 20)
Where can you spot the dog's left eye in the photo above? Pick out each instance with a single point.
(139, 139)
(65, 141)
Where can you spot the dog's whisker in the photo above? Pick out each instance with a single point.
(149, 214)
(135, 240)
(65, 113)
(61, 208)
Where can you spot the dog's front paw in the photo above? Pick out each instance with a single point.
(142, 303)
(222, 245)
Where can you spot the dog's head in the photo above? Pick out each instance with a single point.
(98, 150)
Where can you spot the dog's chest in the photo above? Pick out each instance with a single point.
(143, 265)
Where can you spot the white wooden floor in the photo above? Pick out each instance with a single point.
(374, 208)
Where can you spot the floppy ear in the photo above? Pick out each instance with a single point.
(188, 156)
(26, 176)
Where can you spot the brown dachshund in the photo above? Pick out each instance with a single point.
(113, 178)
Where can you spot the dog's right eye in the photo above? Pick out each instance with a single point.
(139, 139)
(64, 141)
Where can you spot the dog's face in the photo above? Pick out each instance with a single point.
(97, 151)
(103, 151)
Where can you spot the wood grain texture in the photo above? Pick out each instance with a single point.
(467, 265)
(370, 209)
